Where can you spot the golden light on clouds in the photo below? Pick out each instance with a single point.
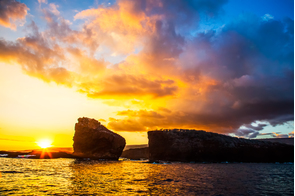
(141, 66)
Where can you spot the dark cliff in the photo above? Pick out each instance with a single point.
(93, 140)
(200, 146)
(136, 153)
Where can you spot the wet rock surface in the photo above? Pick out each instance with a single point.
(200, 146)
(95, 141)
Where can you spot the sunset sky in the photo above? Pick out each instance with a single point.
(216, 65)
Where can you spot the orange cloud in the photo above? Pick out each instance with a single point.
(121, 27)
(37, 59)
(150, 120)
(86, 64)
(126, 125)
(12, 13)
(141, 113)
(147, 76)
(122, 19)
(130, 86)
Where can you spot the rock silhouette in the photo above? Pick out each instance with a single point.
(136, 153)
(95, 141)
(201, 146)
(36, 154)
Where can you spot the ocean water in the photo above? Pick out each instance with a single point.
(72, 177)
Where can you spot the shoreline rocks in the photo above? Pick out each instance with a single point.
(95, 141)
(36, 154)
(200, 146)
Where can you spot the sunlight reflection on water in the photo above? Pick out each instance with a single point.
(71, 177)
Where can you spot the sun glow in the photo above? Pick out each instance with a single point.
(44, 143)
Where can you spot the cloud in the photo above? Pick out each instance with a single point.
(259, 127)
(86, 64)
(251, 131)
(233, 77)
(124, 26)
(59, 30)
(130, 86)
(41, 56)
(36, 57)
(281, 119)
(12, 13)
(42, 1)
(175, 74)
(16, 140)
(277, 135)
(53, 9)
(267, 17)
(126, 125)
(118, 27)
(141, 113)
(150, 120)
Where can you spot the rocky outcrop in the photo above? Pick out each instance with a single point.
(95, 141)
(201, 146)
(136, 153)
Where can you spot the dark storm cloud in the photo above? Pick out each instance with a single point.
(247, 133)
(180, 11)
(251, 62)
(250, 131)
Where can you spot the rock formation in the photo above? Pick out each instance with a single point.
(136, 153)
(201, 146)
(95, 141)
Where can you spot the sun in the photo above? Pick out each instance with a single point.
(44, 143)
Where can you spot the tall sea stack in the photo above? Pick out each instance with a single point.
(95, 141)
(201, 146)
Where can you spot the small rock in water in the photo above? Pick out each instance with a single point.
(168, 180)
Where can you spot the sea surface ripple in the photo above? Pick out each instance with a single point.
(72, 177)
